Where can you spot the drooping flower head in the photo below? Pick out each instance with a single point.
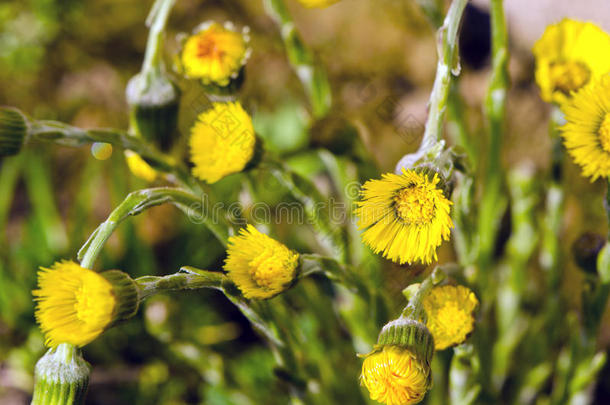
(222, 141)
(394, 376)
(405, 216)
(215, 53)
(317, 3)
(397, 371)
(75, 305)
(450, 312)
(260, 266)
(139, 168)
(586, 133)
(569, 56)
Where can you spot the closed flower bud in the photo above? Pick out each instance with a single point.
(62, 377)
(586, 249)
(154, 101)
(139, 168)
(397, 372)
(13, 129)
(260, 266)
(75, 305)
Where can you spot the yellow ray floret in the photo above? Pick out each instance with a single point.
(317, 3)
(570, 55)
(139, 168)
(450, 312)
(404, 216)
(215, 54)
(74, 305)
(222, 141)
(394, 376)
(260, 266)
(586, 133)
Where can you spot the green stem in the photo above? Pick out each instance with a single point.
(495, 105)
(188, 278)
(414, 309)
(448, 63)
(311, 74)
(135, 203)
(68, 135)
(315, 207)
(157, 20)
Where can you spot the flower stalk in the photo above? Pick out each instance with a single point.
(448, 65)
(311, 74)
(492, 204)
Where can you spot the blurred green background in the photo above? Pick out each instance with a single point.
(70, 60)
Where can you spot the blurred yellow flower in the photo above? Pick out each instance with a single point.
(260, 266)
(586, 133)
(222, 141)
(570, 55)
(404, 216)
(74, 305)
(214, 54)
(394, 376)
(139, 167)
(317, 3)
(450, 312)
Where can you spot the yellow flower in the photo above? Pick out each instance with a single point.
(404, 216)
(139, 167)
(214, 54)
(394, 376)
(450, 312)
(222, 141)
(570, 55)
(261, 267)
(586, 133)
(75, 305)
(317, 3)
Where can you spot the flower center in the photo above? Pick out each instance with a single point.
(604, 133)
(266, 268)
(455, 320)
(208, 48)
(569, 76)
(84, 305)
(415, 205)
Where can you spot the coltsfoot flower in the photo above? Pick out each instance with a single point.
(405, 216)
(397, 371)
(75, 305)
(260, 266)
(569, 56)
(222, 141)
(394, 376)
(450, 312)
(139, 168)
(586, 133)
(214, 54)
(317, 3)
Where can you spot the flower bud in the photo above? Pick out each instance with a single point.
(586, 249)
(13, 129)
(397, 372)
(154, 101)
(61, 377)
